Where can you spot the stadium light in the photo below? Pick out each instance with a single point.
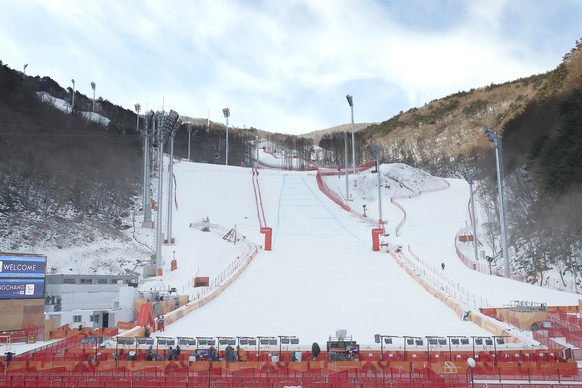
(159, 140)
(145, 150)
(172, 127)
(264, 341)
(406, 338)
(345, 136)
(165, 124)
(477, 340)
(351, 102)
(226, 113)
(381, 339)
(498, 339)
(287, 340)
(469, 177)
(456, 340)
(493, 137)
(93, 86)
(73, 98)
(375, 151)
(435, 341)
(147, 199)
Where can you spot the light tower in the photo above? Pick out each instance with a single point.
(73, 97)
(173, 125)
(375, 151)
(189, 129)
(145, 152)
(148, 131)
(351, 102)
(345, 136)
(164, 126)
(493, 137)
(226, 113)
(468, 175)
(93, 87)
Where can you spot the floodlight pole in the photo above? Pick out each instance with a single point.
(470, 179)
(159, 134)
(380, 222)
(257, 162)
(495, 349)
(351, 102)
(381, 338)
(189, 129)
(226, 113)
(345, 135)
(381, 348)
(170, 189)
(375, 150)
(171, 184)
(93, 86)
(73, 97)
(145, 150)
(148, 131)
(170, 128)
(493, 137)
(428, 348)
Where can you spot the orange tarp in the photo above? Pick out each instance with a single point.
(125, 325)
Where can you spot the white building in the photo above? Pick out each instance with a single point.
(90, 300)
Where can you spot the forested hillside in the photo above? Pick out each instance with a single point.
(59, 170)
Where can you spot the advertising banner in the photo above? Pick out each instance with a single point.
(21, 288)
(22, 267)
(22, 276)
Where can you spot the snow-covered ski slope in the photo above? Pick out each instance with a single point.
(322, 274)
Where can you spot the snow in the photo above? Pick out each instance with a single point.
(65, 106)
(322, 274)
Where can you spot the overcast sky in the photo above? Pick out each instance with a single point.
(285, 65)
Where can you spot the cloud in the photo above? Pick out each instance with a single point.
(286, 66)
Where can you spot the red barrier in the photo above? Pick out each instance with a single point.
(329, 193)
(376, 232)
(268, 374)
(267, 232)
